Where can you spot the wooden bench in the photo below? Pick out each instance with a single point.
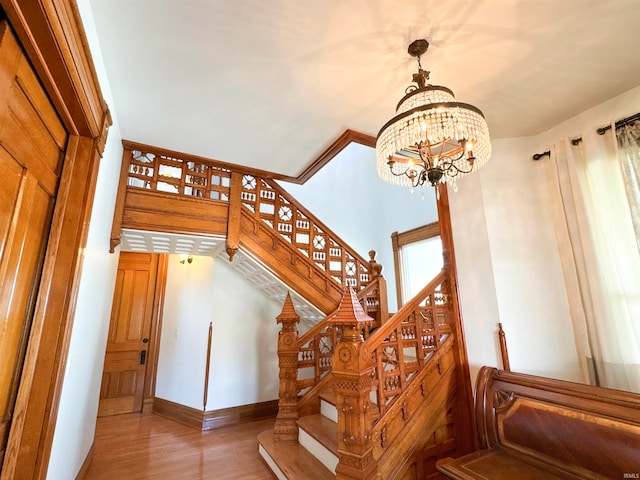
(534, 428)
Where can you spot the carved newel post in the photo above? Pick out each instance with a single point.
(352, 367)
(286, 428)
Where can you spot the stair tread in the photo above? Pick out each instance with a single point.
(329, 396)
(295, 462)
(325, 431)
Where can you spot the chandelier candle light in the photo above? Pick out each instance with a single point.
(432, 138)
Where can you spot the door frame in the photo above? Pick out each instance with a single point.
(53, 38)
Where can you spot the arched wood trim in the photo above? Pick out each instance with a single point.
(51, 34)
(342, 142)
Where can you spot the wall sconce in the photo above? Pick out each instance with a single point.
(186, 258)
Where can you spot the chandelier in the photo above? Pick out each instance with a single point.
(432, 138)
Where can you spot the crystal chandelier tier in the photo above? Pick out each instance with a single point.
(432, 138)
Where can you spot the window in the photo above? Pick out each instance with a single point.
(417, 258)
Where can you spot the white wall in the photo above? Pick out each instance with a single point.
(244, 362)
(507, 255)
(75, 425)
(348, 197)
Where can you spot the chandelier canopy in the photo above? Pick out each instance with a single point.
(432, 138)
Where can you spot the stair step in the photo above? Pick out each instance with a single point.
(323, 430)
(328, 401)
(319, 435)
(290, 460)
(329, 396)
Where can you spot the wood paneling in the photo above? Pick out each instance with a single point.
(173, 214)
(537, 428)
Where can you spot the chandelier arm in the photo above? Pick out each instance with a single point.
(454, 170)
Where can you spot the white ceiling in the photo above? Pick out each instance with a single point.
(270, 84)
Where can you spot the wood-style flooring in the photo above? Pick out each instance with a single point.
(136, 446)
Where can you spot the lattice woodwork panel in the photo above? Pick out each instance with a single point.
(418, 334)
(165, 174)
(273, 206)
(315, 356)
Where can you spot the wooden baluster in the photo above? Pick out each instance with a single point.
(352, 367)
(235, 207)
(156, 173)
(437, 311)
(286, 428)
(503, 349)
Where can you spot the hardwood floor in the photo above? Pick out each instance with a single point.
(136, 446)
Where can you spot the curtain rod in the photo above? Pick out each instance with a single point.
(600, 131)
(619, 123)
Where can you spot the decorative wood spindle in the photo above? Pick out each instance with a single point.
(503, 348)
(286, 428)
(375, 269)
(352, 368)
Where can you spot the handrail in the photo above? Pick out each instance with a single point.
(402, 346)
(378, 336)
(276, 207)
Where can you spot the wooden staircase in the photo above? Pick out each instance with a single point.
(388, 403)
(361, 396)
(179, 194)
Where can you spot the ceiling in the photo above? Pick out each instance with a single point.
(270, 84)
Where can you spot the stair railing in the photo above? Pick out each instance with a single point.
(402, 346)
(274, 206)
(158, 171)
(373, 375)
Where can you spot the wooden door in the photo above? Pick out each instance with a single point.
(127, 351)
(32, 145)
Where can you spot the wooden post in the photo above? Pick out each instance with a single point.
(233, 222)
(206, 368)
(286, 428)
(464, 425)
(383, 309)
(503, 349)
(352, 367)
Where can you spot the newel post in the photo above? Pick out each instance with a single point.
(286, 428)
(233, 219)
(352, 368)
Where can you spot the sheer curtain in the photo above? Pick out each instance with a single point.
(600, 257)
(628, 136)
